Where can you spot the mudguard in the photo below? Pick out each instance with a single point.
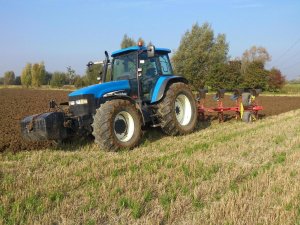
(161, 85)
(98, 90)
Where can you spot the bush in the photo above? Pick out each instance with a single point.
(9, 78)
(18, 80)
(58, 79)
(79, 82)
(276, 80)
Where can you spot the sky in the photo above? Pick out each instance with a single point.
(64, 33)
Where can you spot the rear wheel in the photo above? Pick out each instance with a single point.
(177, 112)
(117, 124)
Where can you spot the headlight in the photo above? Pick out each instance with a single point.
(81, 101)
(72, 103)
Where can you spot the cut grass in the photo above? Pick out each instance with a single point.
(244, 174)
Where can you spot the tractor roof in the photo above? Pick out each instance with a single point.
(136, 48)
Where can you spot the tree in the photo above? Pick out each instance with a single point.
(127, 42)
(18, 80)
(59, 79)
(226, 76)
(255, 54)
(42, 73)
(9, 78)
(38, 74)
(276, 79)
(234, 79)
(48, 77)
(199, 54)
(26, 75)
(71, 74)
(1, 80)
(35, 75)
(79, 81)
(253, 69)
(255, 76)
(92, 74)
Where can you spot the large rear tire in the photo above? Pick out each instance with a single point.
(117, 124)
(177, 112)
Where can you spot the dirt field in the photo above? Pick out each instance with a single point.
(18, 103)
(15, 105)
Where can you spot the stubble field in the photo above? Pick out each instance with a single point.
(244, 174)
(231, 173)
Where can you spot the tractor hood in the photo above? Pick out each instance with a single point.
(98, 90)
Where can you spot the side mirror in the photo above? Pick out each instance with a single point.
(151, 51)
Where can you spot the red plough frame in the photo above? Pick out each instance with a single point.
(245, 101)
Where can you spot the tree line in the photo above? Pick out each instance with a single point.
(35, 75)
(202, 57)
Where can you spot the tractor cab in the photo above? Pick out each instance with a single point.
(141, 68)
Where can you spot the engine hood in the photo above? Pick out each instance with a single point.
(98, 90)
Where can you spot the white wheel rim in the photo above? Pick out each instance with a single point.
(123, 126)
(183, 109)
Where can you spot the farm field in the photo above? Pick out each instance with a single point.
(18, 103)
(231, 173)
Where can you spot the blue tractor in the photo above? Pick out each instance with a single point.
(139, 90)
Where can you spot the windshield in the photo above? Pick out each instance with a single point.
(124, 67)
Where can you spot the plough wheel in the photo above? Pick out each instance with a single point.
(247, 117)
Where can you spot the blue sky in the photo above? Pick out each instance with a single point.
(72, 32)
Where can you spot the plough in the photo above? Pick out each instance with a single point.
(246, 104)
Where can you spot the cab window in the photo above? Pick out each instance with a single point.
(165, 65)
(124, 67)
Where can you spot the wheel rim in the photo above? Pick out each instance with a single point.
(124, 126)
(183, 109)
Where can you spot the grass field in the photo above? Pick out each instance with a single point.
(232, 173)
(291, 89)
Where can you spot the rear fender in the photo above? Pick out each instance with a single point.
(162, 85)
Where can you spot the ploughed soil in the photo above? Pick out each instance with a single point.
(19, 103)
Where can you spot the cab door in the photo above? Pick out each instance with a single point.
(152, 69)
(150, 74)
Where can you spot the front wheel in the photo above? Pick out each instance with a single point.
(117, 124)
(177, 112)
